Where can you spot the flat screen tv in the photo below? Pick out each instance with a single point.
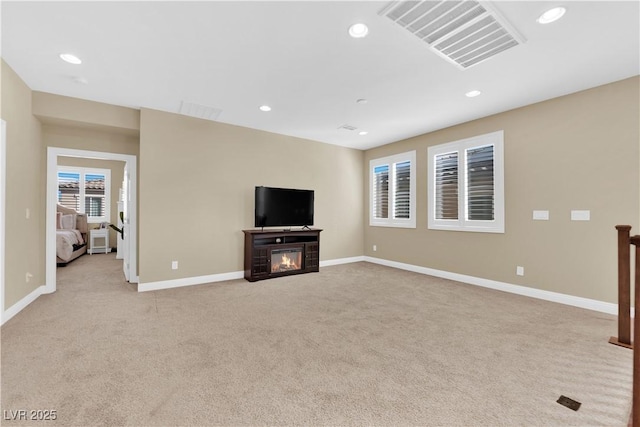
(283, 207)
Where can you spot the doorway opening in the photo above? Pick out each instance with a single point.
(129, 242)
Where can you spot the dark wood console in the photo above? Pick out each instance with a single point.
(276, 253)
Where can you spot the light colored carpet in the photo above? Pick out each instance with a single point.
(356, 344)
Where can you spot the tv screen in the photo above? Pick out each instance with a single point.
(283, 207)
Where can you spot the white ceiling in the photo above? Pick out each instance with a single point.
(297, 57)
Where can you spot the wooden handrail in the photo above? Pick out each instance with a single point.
(624, 288)
(635, 406)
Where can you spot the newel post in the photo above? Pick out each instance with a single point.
(624, 288)
(635, 407)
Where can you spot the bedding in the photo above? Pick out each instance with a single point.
(67, 242)
(71, 235)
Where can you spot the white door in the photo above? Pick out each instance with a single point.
(126, 186)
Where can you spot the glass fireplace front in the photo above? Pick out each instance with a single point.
(283, 260)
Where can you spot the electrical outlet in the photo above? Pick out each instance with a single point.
(375, 248)
(27, 213)
(520, 271)
(27, 277)
(174, 265)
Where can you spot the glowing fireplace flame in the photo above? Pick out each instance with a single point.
(286, 261)
(285, 264)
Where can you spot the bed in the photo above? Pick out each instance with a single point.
(71, 235)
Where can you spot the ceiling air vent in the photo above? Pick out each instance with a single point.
(464, 32)
(347, 127)
(199, 111)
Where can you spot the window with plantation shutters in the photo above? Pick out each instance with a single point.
(85, 190)
(466, 184)
(393, 191)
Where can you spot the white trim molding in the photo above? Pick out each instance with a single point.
(189, 281)
(212, 278)
(22, 304)
(460, 148)
(589, 304)
(340, 261)
(391, 162)
(3, 177)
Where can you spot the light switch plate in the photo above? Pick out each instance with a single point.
(580, 215)
(541, 215)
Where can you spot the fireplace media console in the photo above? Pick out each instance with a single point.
(276, 253)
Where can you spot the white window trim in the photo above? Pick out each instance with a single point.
(107, 190)
(462, 224)
(394, 222)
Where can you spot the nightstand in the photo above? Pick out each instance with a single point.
(98, 233)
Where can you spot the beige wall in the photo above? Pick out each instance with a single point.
(80, 138)
(24, 239)
(579, 151)
(67, 123)
(117, 175)
(63, 110)
(197, 182)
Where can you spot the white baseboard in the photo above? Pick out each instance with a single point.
(189, 281)
(339, 261)
(201, 280)
(590, 304)
(22, 304)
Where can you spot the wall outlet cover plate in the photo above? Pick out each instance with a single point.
(580, 215)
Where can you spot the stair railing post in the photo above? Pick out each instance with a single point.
(635, 407)
(624, 288)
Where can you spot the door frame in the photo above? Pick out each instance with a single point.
(3, 169)
(50, 222)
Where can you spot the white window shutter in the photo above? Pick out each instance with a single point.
(446, 186)
(480, 184)
(402, 194)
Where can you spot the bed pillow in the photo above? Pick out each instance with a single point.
(59, 220)
(68, 222)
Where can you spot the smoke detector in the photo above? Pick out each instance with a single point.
(465, 33)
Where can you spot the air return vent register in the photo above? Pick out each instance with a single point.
(463, 32)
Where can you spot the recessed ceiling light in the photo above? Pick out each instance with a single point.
(363, 132)
(551, 15)
(472, 93)
(359, 30)
(70, 58)
(265, 108)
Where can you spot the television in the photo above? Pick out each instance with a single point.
(283, 207)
